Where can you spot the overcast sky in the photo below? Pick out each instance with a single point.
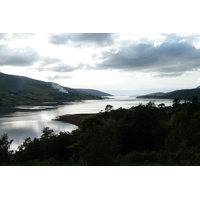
(133, 46)
(104, 61)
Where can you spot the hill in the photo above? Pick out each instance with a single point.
(19, 88)
(184, 94)
(92, 92)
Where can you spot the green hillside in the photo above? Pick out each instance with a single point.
(18, 88)
(16, 84)
(185, 94)
(92, 92)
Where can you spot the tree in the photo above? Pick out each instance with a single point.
(141, 129)
(162, 105)
(176, 101)
(108, 108)
(90, 123)
(5, 154)
(97, 146)
(26, 142)
(47, 132)
(176, 104)
(195, 99)
(180, 130)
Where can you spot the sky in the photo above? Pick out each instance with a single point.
(120, 63)
(119, 47)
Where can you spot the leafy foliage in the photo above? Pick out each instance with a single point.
(185, 94)
(47, 132)
(5, 153)
(108, 108)
(53, 147)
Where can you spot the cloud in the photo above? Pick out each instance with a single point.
(161, 55)
(169, 59)
(15, 36)
(61, 67)
(24, 36)
(26, 56)
(192, 38)
(3, 35)
(53, 78)
(82, 39)
(48, 60)
(167, 74)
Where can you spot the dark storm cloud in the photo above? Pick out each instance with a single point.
(18, 57)
(82, 39)
(168, 58)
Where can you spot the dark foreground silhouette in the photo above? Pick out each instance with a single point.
(142, 135)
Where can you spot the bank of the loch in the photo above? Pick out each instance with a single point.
(75, 119)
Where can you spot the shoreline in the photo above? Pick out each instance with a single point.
(75, 119)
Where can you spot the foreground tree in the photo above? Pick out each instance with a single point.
(108, 108)
(183, 141)
(96, 144)
(47, 132)
(176, 101)
(195, 99)
(5, 153)
(162, 105)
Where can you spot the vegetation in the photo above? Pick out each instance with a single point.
(73, 119)
(142, 135)
(186, 94)
(42, 97)
(22, 89)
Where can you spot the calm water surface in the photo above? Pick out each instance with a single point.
(22, 121)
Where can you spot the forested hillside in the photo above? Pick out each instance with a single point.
(185, 94)
(19, 88)
(93, 92)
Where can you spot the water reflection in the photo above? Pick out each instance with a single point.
(22, 121)
(19, 130)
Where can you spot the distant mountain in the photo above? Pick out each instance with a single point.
(93, 92)
(19, 88)
(184, 94)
